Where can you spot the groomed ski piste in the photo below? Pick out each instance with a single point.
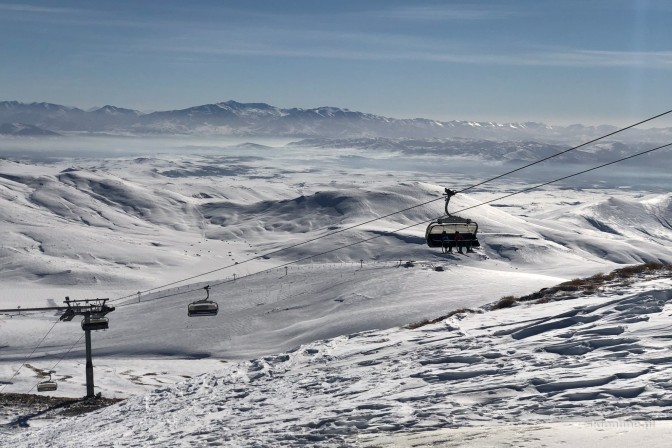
(325, 353)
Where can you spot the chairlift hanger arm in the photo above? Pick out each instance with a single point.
(207, 295)
(448, 194)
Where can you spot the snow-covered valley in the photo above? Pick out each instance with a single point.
(315, 351)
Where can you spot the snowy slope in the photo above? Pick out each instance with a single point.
(596, 358)
(269, 313)
(139, 222)
(109, 227)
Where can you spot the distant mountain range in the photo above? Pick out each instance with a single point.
(260, 119)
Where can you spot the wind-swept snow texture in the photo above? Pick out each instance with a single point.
(598, 358)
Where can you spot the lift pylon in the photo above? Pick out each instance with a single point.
(94, 312)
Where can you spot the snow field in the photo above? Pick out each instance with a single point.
(504, 367)
(109, 228)
(262, 315)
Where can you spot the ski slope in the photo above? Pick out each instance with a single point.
(331, 361)
(589, 359)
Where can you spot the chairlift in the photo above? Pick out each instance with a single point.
(95, 323)
(47, 386)
(203, 307)
(451, 224)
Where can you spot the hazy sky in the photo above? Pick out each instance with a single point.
(560, 62)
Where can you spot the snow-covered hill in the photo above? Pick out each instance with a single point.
(593, 359)
(88, 227)
(142, 223)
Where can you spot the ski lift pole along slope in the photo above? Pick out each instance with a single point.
(94, 313)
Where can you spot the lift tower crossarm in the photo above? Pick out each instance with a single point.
(95, 306)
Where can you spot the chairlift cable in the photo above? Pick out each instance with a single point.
(376, 219)
(567, 177)
(283, 249)
(387, 233)
(59, 360)
(29, 356)
(566, 151)
(45, 336)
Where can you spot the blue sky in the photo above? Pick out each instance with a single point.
(560, 62)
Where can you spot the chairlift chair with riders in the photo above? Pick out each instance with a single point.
(204, 307)
(451, 224)
(47, 386)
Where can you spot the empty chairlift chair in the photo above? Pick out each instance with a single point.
(95, 323)
(204, 307)
(47, 386)
(450, 224)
